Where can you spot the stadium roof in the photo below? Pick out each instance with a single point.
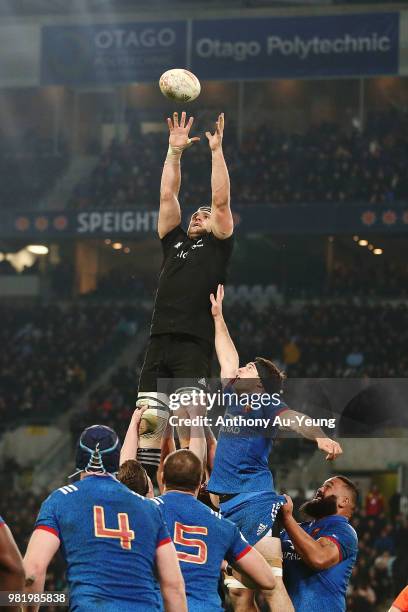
(62, 7)
(74, 7)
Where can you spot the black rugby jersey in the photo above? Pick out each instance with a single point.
(191, 270)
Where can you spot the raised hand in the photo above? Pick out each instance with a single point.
(287, 509)
(215, 140)
(179, 132)
(332, 448)
(216, 302)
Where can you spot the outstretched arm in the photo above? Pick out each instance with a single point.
(168, 446)
(131, 441)
(302, 425)
(226, 352)
(222, 224)
(169, 213)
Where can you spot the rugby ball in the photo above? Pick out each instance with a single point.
(180, 85)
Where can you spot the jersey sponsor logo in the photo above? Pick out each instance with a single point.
(123, 533)
(230, 429)
(178, 245)
(198, 244)
(261, 528)
(291, 556)
(183, 254)
(200, 555)
(68, 489)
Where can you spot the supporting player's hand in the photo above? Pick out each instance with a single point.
(216, 302)
(287, 509)
(197, 409)
(137, 415)
(331, 447)
(179, 132)
(215, 140)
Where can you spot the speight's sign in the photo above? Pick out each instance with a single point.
(138, 224)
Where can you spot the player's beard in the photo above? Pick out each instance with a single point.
(197, 233)
(320, 507)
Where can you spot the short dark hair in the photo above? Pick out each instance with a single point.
(270, 373)
(182, 471)
(133, 475)
(352, 488)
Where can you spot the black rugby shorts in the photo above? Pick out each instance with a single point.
(177, 356)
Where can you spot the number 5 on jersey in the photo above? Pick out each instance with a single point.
(124, 533)
(179, 538)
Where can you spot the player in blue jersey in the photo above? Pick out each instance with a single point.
(318, 556)
(202, 538)
(112, 539)
(241, 476)
(11, 564)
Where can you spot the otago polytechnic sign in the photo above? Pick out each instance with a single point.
(111, 53)
(296, 47)
(241, 48)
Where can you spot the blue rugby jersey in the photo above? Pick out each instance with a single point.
(320, 591)
(241, 458)
(109, 536)
(202, 539)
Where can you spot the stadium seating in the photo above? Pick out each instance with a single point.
(327, 164)
(53, 352)
(31, 170)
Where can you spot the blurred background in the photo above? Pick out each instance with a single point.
(315, 96)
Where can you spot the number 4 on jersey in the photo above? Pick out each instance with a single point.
(124, 533)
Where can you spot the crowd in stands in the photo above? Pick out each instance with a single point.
(111, 404)
(29, 169)
(309, 341)
(388, 280)
(121, 283)
(53, 352)
(326, 164)
(379, 575)
(381, 570)
(19, 509)
(325, 340)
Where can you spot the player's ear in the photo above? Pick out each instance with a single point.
(343, 501)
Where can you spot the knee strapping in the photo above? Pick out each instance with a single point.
(232, 583)
(155, 418)
(275, 563)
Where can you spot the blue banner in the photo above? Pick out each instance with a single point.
(138, 224)
(111, 53)
(296, 47)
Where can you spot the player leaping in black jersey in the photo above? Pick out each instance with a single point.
(194, 262)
